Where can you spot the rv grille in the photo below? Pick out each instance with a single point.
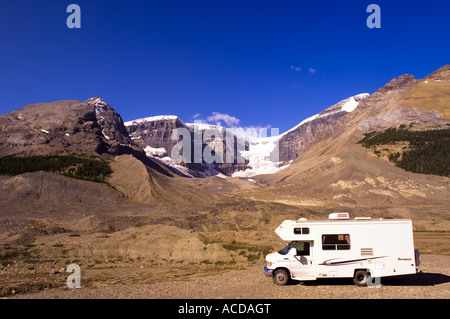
(366, 251)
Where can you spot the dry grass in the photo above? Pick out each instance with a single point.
(430, 96)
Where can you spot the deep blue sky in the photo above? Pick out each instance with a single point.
(150, 57)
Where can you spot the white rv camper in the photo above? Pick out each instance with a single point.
(362, 248)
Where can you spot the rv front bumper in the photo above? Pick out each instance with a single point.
(268, 272)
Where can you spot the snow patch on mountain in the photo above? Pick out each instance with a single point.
(261, 157)
(167, 160)
(106, 136)
(352, 103)
(152, 151)
(151, 119)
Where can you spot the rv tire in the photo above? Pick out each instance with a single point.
(281, 277)
(361, 278)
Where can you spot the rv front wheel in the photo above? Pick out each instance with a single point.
(281, 277)
(361, 278)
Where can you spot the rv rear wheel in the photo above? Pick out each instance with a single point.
(281, 277)
(361, 278)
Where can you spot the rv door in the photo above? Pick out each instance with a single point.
(301, 261)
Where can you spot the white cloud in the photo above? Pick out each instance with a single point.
(217, 117)
(296, 68)
(312, 71)
(233, 123)
(196, 115)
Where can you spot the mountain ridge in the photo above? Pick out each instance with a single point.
(160, 125)
(95, 127)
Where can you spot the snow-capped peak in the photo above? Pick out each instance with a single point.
(151, 119)
(348, 105)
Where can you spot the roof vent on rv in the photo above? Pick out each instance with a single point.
(339, 216)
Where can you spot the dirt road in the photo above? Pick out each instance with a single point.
(250, 283)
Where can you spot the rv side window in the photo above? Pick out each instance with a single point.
(301, 231)
(302, 249)
(336, 242)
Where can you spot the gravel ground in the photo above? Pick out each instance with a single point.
(250, 283)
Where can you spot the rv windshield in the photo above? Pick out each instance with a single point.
(286, 249)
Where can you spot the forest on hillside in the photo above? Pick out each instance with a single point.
(90, 169)
(428, 151)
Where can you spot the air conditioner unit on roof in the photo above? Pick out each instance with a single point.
(339, 216)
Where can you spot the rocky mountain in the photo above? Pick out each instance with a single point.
(83, 140)
(338, 169)
(154, 136)
(418, 104)
(405, 100)
(93, 127)
(293, 142)
(261, 155)
(110, 122)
